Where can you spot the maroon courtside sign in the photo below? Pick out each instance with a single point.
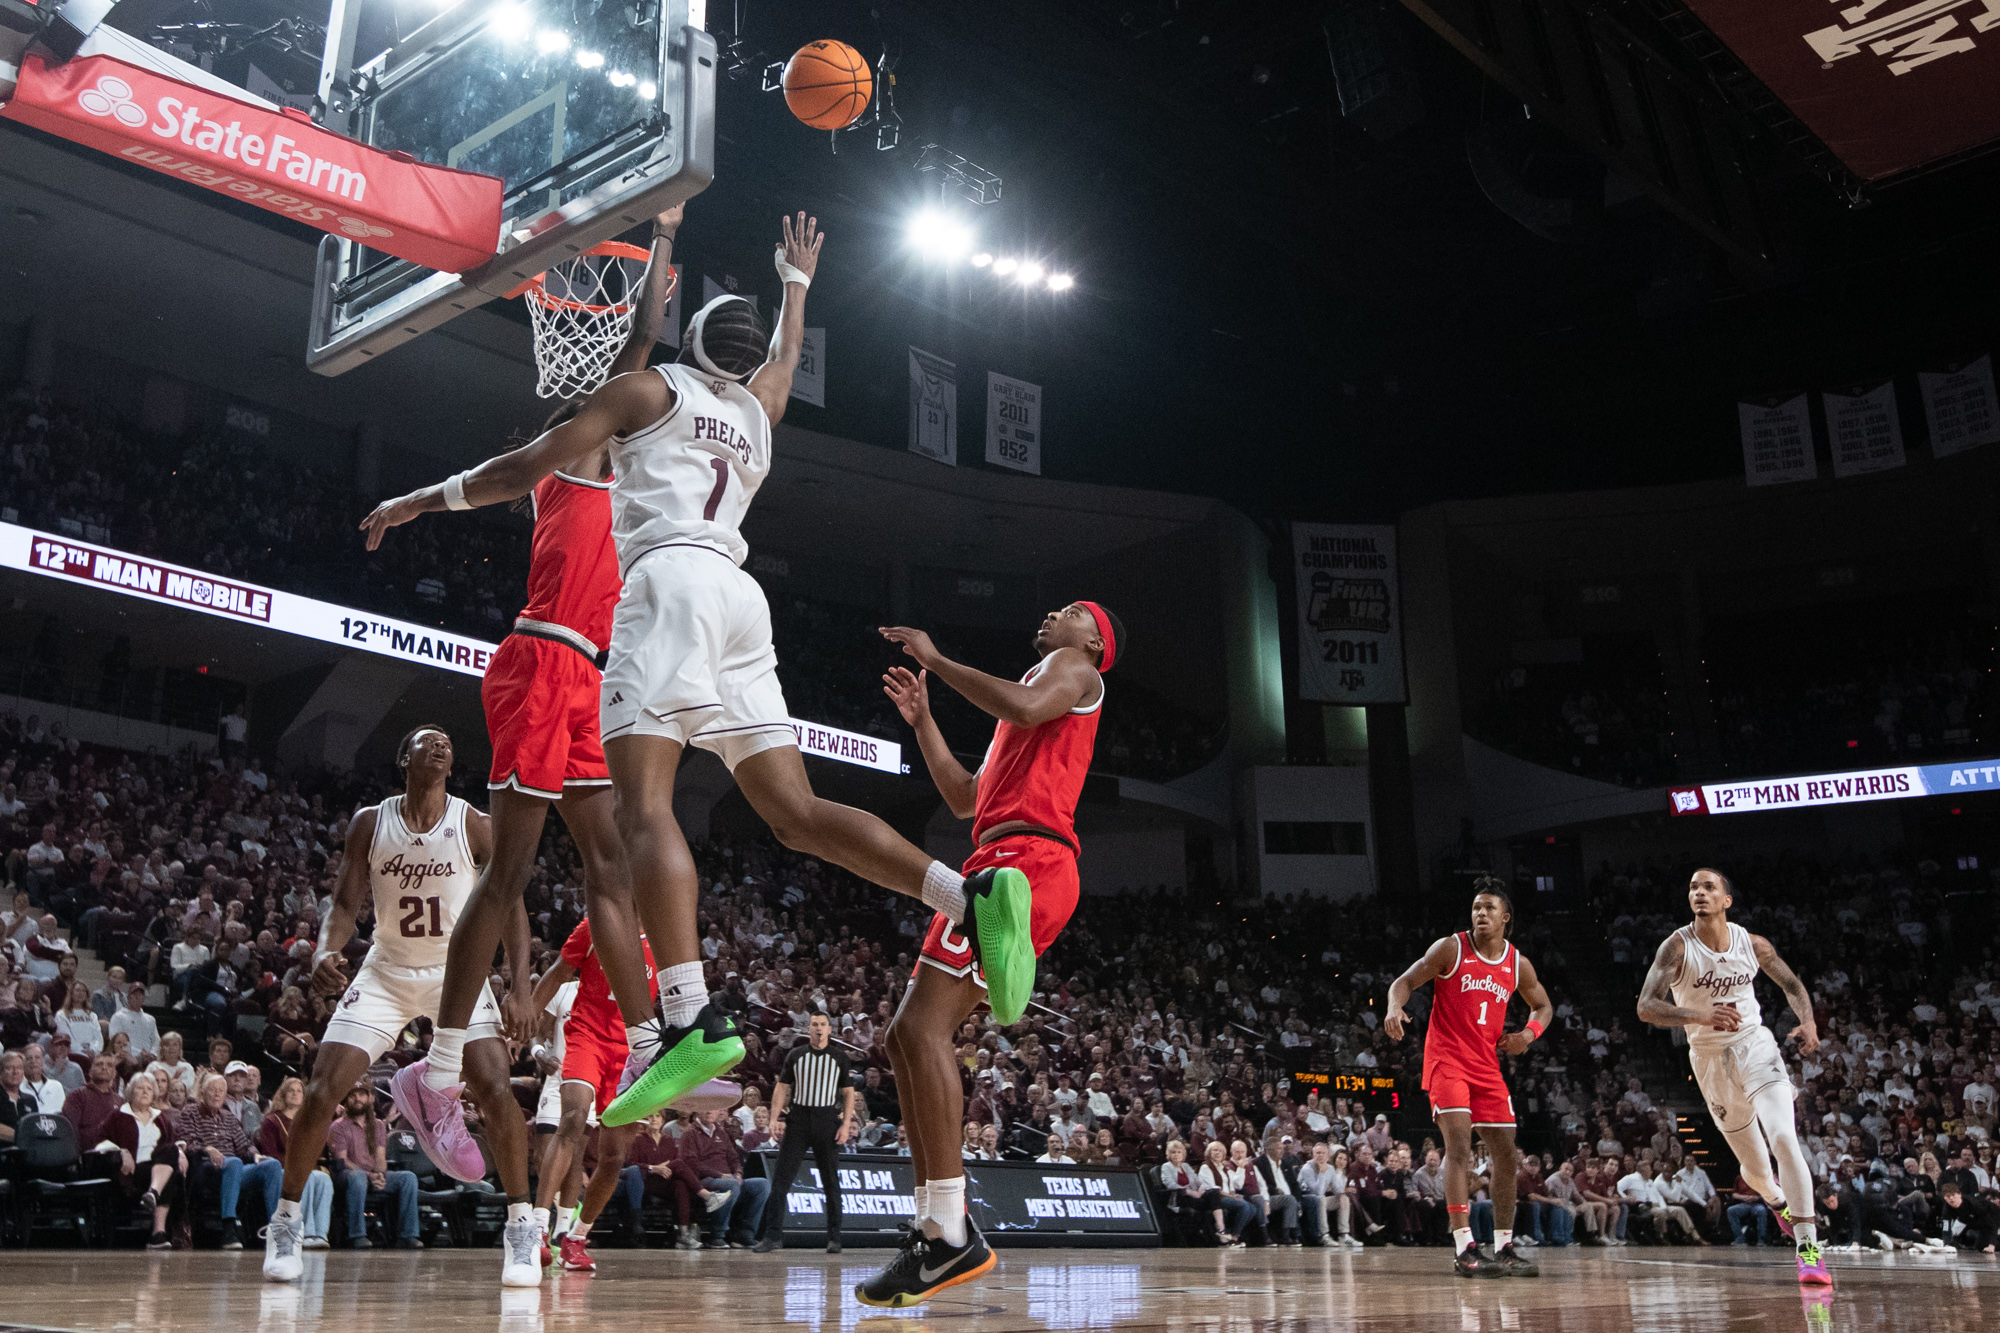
(1887, 85)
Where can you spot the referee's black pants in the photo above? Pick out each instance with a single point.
(807, 1129)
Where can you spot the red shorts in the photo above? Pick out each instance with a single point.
(589, 1058)
(1051, 870)
(1485, 1097)
(541, 701)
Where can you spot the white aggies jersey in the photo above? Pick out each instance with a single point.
(688, 479)
(421, 881)
(1708, 980)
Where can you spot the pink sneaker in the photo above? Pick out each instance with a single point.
(718, 1094)
(438, 1122)
(1782, 1215)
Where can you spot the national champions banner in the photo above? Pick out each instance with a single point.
(1350, 615)
(1865, 784)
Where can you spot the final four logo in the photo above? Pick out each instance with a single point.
(1341, 602)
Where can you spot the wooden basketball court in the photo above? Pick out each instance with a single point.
(1642, 1290)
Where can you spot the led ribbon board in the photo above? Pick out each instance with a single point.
(166, 584)
(1866, 784)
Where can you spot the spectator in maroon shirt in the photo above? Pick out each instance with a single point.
(653, 1166)
(91, 1109)
(1364, 1182)
(219, 1152)
(711, 1154)
(360, 1145)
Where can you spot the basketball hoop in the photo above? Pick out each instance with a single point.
(582, 311)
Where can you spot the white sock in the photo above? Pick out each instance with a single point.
(1461, 1237)
(682, 993)
(541, 1217)
(1501, 1239)
(289, 1209)
(923, 1197)
(446, 1058)
(944, 891)
(948, 1209)
(579, 1229)
(640, 1036)
(520, 1212)
(1806, 1233)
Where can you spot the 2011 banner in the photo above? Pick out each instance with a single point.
(1349, 616)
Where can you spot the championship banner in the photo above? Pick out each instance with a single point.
(1350, 623)
(1013, 423)
(1009, 1201)
(1777, 441)
(1868, 784)
(277, 159)
(1888, 85)
(809, 380)
(1959, 404)
(933, 407)
(1863, 430)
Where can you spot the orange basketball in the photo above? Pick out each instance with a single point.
(827, 85)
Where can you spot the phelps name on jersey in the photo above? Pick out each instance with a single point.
(688, 478)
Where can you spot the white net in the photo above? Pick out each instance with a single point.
(582, 312)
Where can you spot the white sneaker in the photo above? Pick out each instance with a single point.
(520, 1255)
(1529, 1241)
(283, 1239)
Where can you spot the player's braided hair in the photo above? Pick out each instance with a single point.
(734, 336)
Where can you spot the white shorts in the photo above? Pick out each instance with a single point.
(383, 999)
(1730, 1077)
(691, 657)
(548, 1110)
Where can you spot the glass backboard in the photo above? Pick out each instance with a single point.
(595, 114)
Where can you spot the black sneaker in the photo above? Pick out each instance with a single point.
(232, 1234)
(1472, 1262)
(768, 1244)
(833, 1243)
(159, 1241)
(1512, 1263)
(925, 1267)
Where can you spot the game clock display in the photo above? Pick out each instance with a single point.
(1383, 1093)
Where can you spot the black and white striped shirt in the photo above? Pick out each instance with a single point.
(816, 1077)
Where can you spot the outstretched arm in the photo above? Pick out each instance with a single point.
(1656, 996)
(1540, 1011)
(912, 696)
(1796, 994)
(621, 406)
(798, 252)
(651, 316)
(1068, 680)
(1437, 960)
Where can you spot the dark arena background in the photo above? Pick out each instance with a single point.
(1542, 458)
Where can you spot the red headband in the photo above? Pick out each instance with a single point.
(1097, 613)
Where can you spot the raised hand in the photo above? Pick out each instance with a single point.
(915, 642)
(800, 248)
(392, 514)
(909, 692)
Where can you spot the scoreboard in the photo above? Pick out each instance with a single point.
(1373, 1093)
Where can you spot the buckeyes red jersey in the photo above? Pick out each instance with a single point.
(1035, 774)
(593, 1010)
(573, 577)
(1469, 1012)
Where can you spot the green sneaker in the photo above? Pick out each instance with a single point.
(687, 1058)
(998, 912)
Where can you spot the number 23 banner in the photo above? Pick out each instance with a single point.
(1350, 619)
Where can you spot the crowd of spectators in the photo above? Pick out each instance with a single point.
(1598, 718)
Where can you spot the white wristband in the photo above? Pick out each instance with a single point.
(320, 956)
(454, 492)
(787, 272)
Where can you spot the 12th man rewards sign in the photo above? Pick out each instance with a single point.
(1350, 620)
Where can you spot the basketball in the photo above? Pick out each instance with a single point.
(827, 85)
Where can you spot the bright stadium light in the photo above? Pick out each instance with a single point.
(649, 91)
(548, 41)
(939, 235)
(1005, 265)
(1061, 282)
(981, 260)
(1030, 274)
(512, 22)
(589, 59)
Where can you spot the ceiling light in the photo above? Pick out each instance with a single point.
(1031, 273)
(512, 22)
(548, 40)
(1061, 282)
(1006, 265)
(589, 59)
(981, 260)
(940, 235)
(649, 90)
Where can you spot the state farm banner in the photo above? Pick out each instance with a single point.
(1863, 430)
(1868, 784)
(933, 407)
(277, 159)
(1350, 618)
(1777, 440)
(1960, 406)
(1013, 423)
(1887, 85)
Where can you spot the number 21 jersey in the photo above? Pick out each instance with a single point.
(421, 881)
(688, 479)
(1469, 1013)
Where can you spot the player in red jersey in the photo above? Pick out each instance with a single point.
(1476, 973)
(1022, 802)
(594, 1052)
(541, 699)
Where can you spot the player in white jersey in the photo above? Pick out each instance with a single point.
(691, 661)
(417, 855)
(1704, 980)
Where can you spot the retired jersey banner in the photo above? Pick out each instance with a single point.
(1868, 784)
(1777, 440)
(809, 380)
(1960, 406)
(1013, 423)
(933, 407)
(1863, 429)
(1888, 85)
(277, 159)
(1350, 618)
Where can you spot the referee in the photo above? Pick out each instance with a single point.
(816, 1078)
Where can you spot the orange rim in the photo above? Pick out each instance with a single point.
(535, 291)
